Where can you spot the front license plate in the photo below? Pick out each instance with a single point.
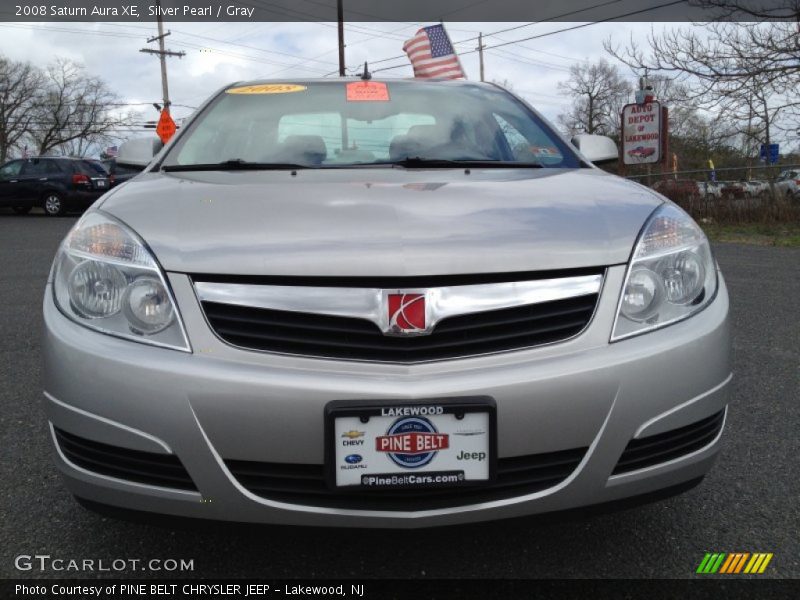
(436, 443)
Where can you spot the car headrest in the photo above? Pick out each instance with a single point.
(304, 148)
(429, 133)
(404, 146)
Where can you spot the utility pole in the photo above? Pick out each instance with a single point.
(162, 54)
(480, 51)
(340, 19)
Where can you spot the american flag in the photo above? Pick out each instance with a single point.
(432, 55)
(112, 151)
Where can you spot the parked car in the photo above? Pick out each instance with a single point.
(641, 152)
(56, 184)
(733, 190)
(787, 185)
(433, 330)
(712, 190)
(679, 190)
(756, 189)
(120, 173)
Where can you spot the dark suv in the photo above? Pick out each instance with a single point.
(120, 173)
(56, 184)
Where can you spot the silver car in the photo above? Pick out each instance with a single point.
(388, 303)
(787, 185)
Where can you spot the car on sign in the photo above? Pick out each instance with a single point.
(56, 184)
(641, 152)
(379, 304)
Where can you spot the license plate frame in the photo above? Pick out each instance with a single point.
(374, 408)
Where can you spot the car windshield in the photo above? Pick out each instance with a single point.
(359, 123)
(95, 166)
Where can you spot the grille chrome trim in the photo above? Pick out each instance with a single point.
(368, 303)
(304, 484)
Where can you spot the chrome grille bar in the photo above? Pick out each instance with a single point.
(369, 304)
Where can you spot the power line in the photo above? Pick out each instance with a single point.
(553, 18)
(628, 14)
(128, 35)
(546, 34)
(509, 56)
(176, 43)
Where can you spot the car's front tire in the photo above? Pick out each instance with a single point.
(53, 205)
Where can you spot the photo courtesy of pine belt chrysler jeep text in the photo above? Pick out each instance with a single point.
(382, 303)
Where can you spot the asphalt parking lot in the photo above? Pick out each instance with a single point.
(749, 502)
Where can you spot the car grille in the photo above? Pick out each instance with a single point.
(352, 338)
(163, 470)
(306, 484)
(660, 448)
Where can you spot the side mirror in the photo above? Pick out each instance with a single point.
(596, 148)
(139, 152)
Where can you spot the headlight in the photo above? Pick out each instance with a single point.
(105, 278)
(671, 275)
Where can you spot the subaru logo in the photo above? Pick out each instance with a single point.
(353, 459)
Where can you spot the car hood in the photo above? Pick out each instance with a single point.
(389, 222)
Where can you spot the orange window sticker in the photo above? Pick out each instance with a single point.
(367, 91)
(267, 88)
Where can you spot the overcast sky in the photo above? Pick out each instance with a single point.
(220, 53)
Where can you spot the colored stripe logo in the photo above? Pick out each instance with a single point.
(733, 563)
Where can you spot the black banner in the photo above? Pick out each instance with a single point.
(387, 589)
(392, 10)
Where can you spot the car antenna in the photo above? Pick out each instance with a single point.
(366, 75)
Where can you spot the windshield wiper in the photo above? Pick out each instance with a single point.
(236, 164)
(416, 161)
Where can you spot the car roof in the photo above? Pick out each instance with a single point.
(392, 80)
(60, 158)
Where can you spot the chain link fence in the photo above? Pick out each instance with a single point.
(732, 194)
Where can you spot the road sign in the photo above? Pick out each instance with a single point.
(166, 127)
(773, 153)
(642, 133)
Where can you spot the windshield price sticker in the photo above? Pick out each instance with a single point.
(267, 88)
(367, 91)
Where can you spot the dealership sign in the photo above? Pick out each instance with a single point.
(642, 133)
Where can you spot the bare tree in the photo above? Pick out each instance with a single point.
(20, 83)
(744, 72)
(598, 92)
(74, 106)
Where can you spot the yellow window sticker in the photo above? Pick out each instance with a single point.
(267, 88)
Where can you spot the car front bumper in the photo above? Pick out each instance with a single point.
(223, 403)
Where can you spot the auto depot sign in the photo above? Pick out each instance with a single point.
(642, 133)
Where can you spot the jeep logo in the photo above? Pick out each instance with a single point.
(479, 456)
